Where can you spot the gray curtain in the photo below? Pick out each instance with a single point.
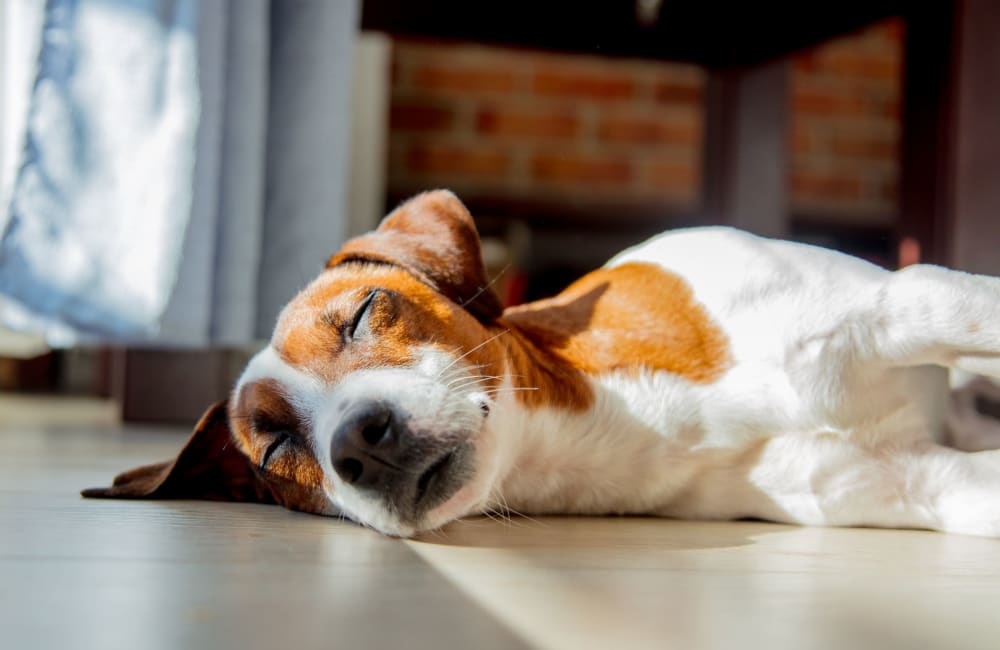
(184, 168)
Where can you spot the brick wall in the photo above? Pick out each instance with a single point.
(490, 121)
(845, 126)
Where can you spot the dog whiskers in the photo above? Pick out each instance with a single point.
(461, 383)
(460, 371)
(491, 515)
(508, 389)
(473, 378)
(497, 499)
(474, 381)
(486, 342)
(499, 508)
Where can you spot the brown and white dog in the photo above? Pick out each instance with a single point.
(705, 374)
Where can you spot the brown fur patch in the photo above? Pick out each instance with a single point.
(542, 377)
(628, 317)
(260, 412)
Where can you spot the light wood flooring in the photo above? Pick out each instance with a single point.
(77, 573)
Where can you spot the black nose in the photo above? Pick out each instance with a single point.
(368, 446)
(374, 449)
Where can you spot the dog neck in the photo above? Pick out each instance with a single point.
(544, 379)
(542, 422)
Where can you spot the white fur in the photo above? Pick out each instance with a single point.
(827, 416)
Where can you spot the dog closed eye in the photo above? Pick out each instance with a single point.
(375, 312)
(276, 444)
(276, 435)
(359, 325)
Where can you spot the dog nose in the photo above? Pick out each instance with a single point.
(366, 446)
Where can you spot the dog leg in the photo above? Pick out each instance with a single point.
(829, 481)
(932, 315)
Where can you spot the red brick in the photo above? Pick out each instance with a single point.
(528, 123)
(850, 62)
(441, 158)
(816, 103)
(816, 185)
(845, 122)
(420, 117)
(803, 139)
(869, 148)
(571, 82)
(892, 108)
(837, 102)
(675, 177)
(673, 92)
(652, 131)
(580, 168)
(460, 78)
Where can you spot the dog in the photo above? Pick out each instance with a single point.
(705, 374)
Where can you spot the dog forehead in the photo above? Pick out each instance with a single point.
(310, 330)
(340, 285)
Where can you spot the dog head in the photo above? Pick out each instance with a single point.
(373, 399)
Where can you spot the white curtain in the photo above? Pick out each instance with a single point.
(183, 168)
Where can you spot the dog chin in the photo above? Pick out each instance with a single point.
(467, 500)
(473, 497)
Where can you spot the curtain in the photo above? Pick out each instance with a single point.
(183, 169)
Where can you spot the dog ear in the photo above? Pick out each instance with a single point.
(210, 466)
(433, 237)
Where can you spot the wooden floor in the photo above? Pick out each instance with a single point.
(110, 574)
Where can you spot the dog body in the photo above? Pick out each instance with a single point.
(705, 374)
(778, 430)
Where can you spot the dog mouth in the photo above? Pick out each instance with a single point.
(429, 485)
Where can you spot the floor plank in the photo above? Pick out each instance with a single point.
(104, 574)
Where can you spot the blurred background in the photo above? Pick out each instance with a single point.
(173, 171)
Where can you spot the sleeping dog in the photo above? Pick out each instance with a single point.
(704, 374)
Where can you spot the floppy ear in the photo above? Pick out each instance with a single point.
(210, 466)
(433, 237)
